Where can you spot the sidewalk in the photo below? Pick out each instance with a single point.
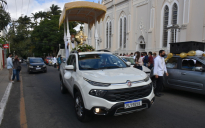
(5, 88)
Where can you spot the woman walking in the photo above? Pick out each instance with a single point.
(16, 69)
(138, 61)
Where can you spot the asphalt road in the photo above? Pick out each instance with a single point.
(46, 107)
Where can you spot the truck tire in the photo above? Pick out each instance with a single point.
(63, 88)
(80, 110)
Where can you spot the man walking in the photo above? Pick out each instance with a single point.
(159, 70)
(10, 66)
(150, 61)
(145, 60)
(59, 61)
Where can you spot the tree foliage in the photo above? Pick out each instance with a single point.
(38, 34)
(4, 18)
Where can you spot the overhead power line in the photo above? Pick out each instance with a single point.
(22, 7)
(28, 7)
(16, 9)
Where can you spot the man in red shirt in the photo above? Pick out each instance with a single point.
(150, 61)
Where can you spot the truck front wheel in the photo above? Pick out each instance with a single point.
(80, 111)
(63, 88)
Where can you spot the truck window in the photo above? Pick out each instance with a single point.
(191, 64)
(69, 61)
(172, 63)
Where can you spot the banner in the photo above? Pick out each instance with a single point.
(5, 45)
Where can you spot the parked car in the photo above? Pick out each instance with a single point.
(50, 62)
(132, 61)
(103, 84)
(46, 60)
(185, 74)
(36, 65)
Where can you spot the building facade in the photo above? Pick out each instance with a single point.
(143, 25)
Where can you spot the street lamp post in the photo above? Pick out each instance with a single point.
(174, 28)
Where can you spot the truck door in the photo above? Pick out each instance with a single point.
(191, 77)
(68, 81)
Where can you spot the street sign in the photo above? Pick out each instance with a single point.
(6, 45)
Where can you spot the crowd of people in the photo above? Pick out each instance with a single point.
(151, 60)
(142, 59)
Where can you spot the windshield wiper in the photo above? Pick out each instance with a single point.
(110, 67)
(89, 68)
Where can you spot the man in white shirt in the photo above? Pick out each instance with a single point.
(54, 61)
(159, 70)
(10, 66)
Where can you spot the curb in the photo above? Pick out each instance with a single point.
(4, 101)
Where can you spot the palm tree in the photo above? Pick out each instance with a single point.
(35, 16)
(41, 14)
(47, 15)
(2, 2)
(55, 10)
(24, 20)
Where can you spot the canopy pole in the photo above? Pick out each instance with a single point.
(89, 34)
(65, 38)
(68, 36)
(66, 42)
(96, 33)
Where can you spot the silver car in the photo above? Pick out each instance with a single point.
(185, 74)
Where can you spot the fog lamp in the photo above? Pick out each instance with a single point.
(97, 110)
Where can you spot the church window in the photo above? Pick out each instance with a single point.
(120, 32)
(107, 35)
(174, 21)
(124, 33)
(110, 33)
(166, 21)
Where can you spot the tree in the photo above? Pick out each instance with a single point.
(55, 10)
(41, 15)
(35, 16)
(47, 36)
(4, 18)
(2, 2)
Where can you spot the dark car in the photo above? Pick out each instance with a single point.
(185, 74)
(36, 65)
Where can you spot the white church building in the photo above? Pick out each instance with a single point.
(143, 25)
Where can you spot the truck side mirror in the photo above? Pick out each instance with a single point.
(128, 63)
(69, 67)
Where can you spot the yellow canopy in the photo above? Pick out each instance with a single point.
(83, 11)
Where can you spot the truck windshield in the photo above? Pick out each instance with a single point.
(99, 61)
(202, 58)
(131, 60)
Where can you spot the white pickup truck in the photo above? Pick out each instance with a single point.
(101, 83)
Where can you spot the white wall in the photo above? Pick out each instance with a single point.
(1, 59)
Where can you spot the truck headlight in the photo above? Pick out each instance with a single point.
(30, 66)
(146, 79)
(97, 93)
(97, 83)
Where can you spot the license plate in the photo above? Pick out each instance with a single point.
(38, 68)
(132, 104)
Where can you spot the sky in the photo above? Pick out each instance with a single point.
(16, 8)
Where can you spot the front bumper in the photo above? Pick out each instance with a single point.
(112, 103)
(118, 108)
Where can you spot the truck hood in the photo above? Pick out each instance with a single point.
(119, 75)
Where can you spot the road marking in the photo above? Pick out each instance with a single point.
(4, 101)
(23, 121)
